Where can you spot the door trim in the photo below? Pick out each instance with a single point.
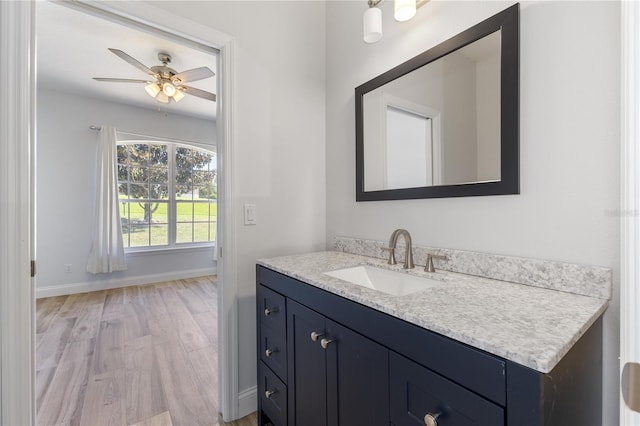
(630, 196)
(17, 332)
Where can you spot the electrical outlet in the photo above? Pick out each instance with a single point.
(67, 268)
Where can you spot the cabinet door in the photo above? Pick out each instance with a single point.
(357, 379)
(307, 367)
(417, 392)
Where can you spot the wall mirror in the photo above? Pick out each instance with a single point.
(445, 123)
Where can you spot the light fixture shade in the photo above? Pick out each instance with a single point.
(168, 89)
(152, 89)
(372, 23)
(178, 95)
(162, 98)
(403, 10)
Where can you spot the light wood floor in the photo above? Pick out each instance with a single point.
(144, 355)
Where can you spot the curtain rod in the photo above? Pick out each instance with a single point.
(160, 138)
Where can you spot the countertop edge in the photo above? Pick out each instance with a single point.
(543, 362)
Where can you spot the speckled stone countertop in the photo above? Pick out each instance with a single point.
(529, 325)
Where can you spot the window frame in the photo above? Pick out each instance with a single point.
(171, 201)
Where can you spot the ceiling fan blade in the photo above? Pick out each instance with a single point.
(121, 80)
(132, 61)
(199, 93)
(194, 75)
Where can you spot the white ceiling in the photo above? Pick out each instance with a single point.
(72, 48)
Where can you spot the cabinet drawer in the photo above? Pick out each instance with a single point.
(273, 395)
(417, 391)
(273, 350)
(272, 309)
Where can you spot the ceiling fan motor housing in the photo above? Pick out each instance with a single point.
(164, 57)
(164, 73)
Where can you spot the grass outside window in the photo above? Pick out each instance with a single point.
(157, 212)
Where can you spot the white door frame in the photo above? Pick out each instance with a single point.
(17, 123)
(630, 196)
(17, 332)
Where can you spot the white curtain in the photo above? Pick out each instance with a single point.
(107, 249)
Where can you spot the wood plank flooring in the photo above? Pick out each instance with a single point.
(142, 356)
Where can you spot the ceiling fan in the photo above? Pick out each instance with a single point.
(165, 83)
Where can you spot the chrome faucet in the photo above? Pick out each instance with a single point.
(393, 241)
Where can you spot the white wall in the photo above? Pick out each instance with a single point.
(66, 152)
(459, 121)
(280, 138)
(569, 128)
(487, 126)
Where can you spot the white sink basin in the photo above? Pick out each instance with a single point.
(384, 280)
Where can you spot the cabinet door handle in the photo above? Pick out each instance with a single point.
(431, 419)
(268, 393)
(268, 352)
(325, 343)
(315, 335)
(268, 311)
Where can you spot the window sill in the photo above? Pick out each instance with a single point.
(139, 251)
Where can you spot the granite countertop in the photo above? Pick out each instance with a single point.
(531, 326)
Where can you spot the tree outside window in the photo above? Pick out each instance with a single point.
(168, 194)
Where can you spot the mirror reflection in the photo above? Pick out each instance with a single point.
(437, 125)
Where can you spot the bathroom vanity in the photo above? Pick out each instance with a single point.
(470, 351)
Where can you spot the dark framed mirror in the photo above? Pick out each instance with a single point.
(446, 122)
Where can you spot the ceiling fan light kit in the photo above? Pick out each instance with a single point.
(178, 95)
(162, 98)
(152, 89)
(168, 89)
(167, 84)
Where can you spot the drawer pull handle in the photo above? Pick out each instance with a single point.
(431, 419)
(268, 352)
(269, 393)
(325, 343)
(315, 335)
(268, 311)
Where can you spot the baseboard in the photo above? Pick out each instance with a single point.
(61, 290)
(247, 401)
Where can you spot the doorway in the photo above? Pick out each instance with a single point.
(62, 101)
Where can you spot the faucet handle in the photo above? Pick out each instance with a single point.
(392, 255)
(429, 266)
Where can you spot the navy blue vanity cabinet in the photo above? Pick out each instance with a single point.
(419, 394)
(272, 356)
(308, 367)
(350, 365)
(336, 376)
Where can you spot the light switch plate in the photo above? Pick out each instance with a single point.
(250, 214)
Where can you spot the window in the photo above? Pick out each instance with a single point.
(167, 194)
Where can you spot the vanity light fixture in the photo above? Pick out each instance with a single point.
(403, 10)
(372, 22)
